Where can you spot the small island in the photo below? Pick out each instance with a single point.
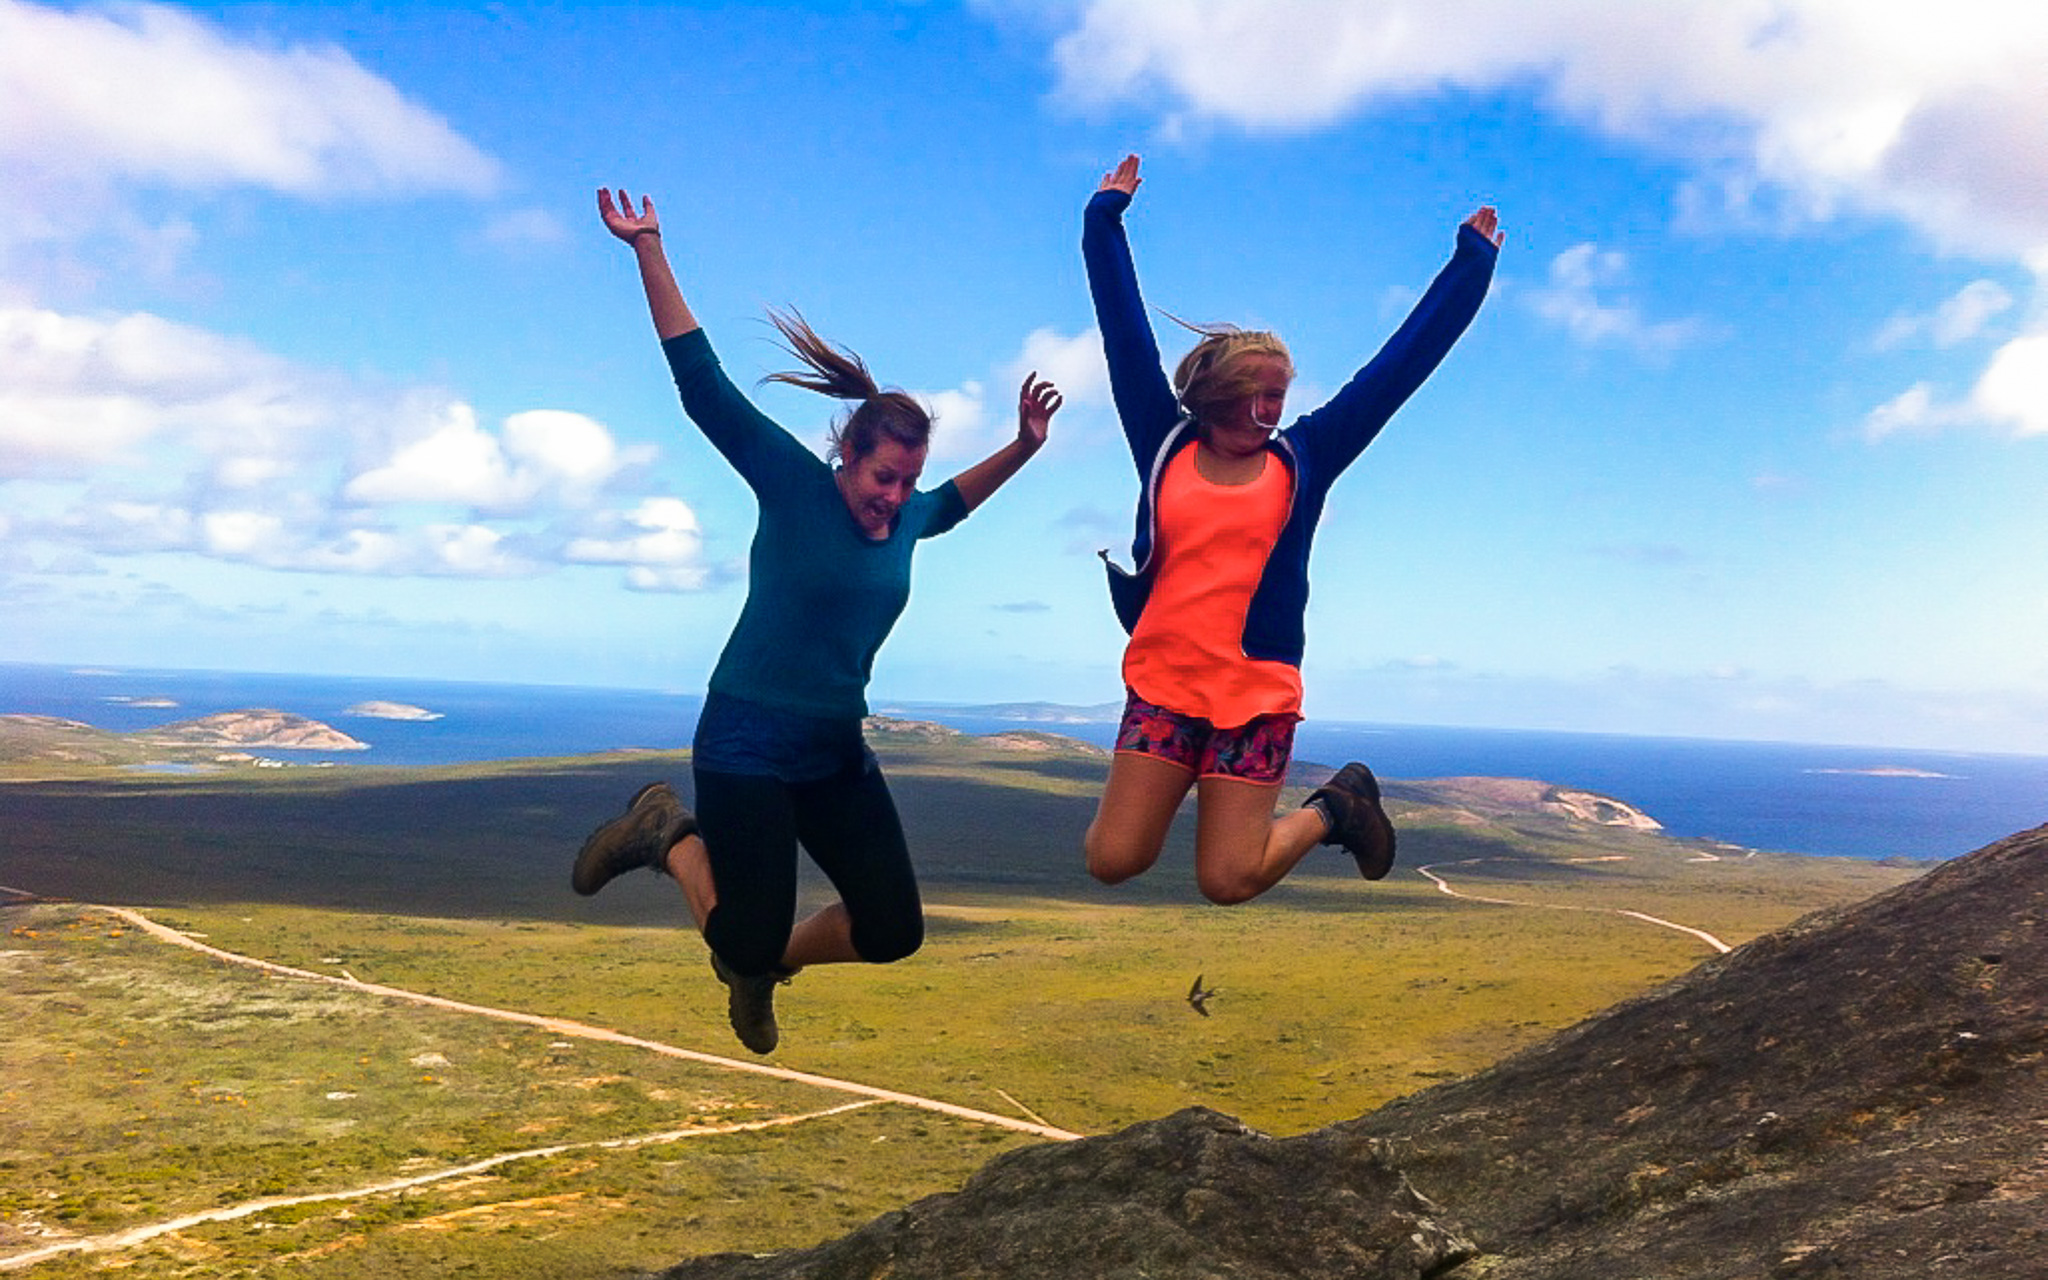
(376, 709)
(1886, 771)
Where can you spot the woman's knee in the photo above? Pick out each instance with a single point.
(1113, 859)
(748, 948)
(1227, 884)
(888, 941)
(1229, 891)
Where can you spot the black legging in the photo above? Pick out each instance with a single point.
(752, 825)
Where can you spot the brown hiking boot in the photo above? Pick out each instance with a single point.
(1350, 802)
(640, 837)
(750, 1005)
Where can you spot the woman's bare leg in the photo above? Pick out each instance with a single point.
(689, 865)
(823, 937)
(1241, 850)
(1136, 811)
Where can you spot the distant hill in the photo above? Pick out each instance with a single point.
(50, 740)
(258, 727)
(222, 738)
(1026, 712)
(1859, 1095)
(1481, 798)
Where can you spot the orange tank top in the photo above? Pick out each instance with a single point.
(1210, 546)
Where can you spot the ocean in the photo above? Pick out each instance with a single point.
(1864, 802)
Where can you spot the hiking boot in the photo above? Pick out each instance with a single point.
(641, 837)
(750, 1005)
(1350, 802)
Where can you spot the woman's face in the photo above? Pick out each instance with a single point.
(877, 484)
(1245, 425)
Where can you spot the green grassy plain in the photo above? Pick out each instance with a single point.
(143, 1081)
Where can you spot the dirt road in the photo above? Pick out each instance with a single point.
(580, 1030)
(867, 1095)
(1444, 886)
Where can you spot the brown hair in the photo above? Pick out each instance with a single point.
(834, 371)
(1212, 377)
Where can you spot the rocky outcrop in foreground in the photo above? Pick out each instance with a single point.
(1194, 1195)
(1863, 1096)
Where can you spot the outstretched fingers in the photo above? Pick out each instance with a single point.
(1123, 178)
(1486, 221)
(1037, 400)
(619, 217)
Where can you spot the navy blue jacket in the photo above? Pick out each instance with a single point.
(1315, 448)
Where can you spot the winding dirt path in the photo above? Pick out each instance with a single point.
(581, 1030)
(868, 1095)
(132, 1236)
(1444, 886)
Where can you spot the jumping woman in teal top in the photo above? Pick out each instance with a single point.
(778, 760)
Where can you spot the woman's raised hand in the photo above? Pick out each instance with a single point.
(621, 221)
(1037, 401)
(1487, 223)
(1123, 178)
(642, 230)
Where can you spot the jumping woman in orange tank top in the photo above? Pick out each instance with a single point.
(1215, 602)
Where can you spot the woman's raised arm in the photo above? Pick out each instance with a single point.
(642, 231)
(1037, 401)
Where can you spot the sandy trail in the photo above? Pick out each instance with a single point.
(563, 1026)
(869, 1095)
(129, 1238)
(1444, 886)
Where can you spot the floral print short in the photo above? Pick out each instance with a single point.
(1254, 752)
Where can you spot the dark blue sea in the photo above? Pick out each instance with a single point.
(1865, 802)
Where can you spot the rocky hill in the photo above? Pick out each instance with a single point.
(255, 727)
(56, 741)
(221, 738)
(1863, 1095)
(1481, 798)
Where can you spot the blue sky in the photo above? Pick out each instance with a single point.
(314, 357)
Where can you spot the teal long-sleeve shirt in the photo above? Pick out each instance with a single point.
(821, 594)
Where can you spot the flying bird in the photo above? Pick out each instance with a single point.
(1198, 998)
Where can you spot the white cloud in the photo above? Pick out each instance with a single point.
(136, 435)
(241, 535)
(453, 459)
(1913, 411)
(2014, 388)
(1075, 364)
(78, 393)
(1264, 63)
(366, 551)
(142, 526)
(1580, 298)
(1935, 116)
(473, 551)
(972, 421)
(1786, 112)
(961, 428)
(1957, 320)
(666, 554)
(104, 106)
(148, 92)
(2011, 395)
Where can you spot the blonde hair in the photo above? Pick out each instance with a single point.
(835, 371)
(1212, 376)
